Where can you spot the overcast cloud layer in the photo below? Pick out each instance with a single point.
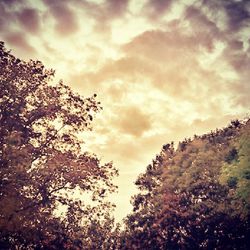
(163, 70)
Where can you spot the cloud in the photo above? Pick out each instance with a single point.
(154, 9)
(168, 59)
(204, 30)
(132, 121)
(115, 76)
(2, 19)
(11, 3)
(167, 46)
(237, 12)
(170, 62)
(116, 8)
(6, 16)
(29, 19)
(103, 14)
(18, 40)
(238, 58)
(211, 123)
(65, 17)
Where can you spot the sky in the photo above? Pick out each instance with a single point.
(163, 70)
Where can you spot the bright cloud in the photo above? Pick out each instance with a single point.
(163, 70)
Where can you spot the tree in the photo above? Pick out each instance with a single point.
(235, 172)
(141, 231)
(43, 164)
(184, 203)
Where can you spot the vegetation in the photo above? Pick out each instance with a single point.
(195, 196)
(43, 165)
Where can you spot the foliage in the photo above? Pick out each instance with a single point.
(43, 165)
(236, 172)
(195, 197)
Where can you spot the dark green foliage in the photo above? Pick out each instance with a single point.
(246, 175)
(231, 156)
(232, 181)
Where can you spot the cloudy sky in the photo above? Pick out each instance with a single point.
(162, 69)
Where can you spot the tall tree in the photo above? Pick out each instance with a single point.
(44, 168)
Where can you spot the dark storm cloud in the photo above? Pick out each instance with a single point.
(65, 17)
(29, 19)
(237, 12)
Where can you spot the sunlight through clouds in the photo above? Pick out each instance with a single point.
(161, 69)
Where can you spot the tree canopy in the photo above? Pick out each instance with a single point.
(43, 164)
(196, 196)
